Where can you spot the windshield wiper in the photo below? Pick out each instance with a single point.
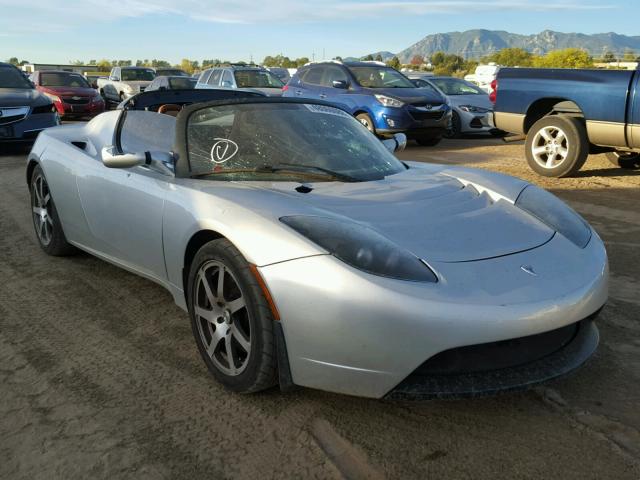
(306, 168)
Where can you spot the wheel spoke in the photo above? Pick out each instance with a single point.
(550, 160)
(46, 199)
(209, 315)
(207, 289)
(236, 305)
(36, 191)
(560, 136)
(215, 340)
(230, 353)
(539, 150)
(241, 338)
(563, 152)
(546, 135)
(220, 287)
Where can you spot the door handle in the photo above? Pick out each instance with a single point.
(322, 95)
(298, 92)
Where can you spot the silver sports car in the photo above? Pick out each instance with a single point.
(307, 254)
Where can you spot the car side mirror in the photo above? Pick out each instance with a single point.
(159, 161)
(342, 84)
(396, 144)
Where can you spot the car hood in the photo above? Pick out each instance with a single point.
(475, 100)
(21, 97)
(69, 91)
(435, 216)
(409, 95)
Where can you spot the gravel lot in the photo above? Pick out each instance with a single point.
(100, 377)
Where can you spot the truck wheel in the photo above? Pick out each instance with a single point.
(365, 120)
(629, 160)
(557, 146)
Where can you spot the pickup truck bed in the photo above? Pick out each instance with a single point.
(592, 111)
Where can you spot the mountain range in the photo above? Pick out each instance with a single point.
(479, 43)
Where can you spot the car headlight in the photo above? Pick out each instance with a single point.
(552, 211)
(473, 109)
(361, 247)
(53, 98)
(389, 101)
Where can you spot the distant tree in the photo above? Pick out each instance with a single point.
(608, 57)
(567, 58)
(14, 61)
(23, 62)
(187, 65)
(302, 61)
(104, 65)
(368, 58)
(511, 57)
(339, 59)
(210, 63)
(417, 60)
(438, 58)
(76, 62)
(92, 62)
(629, 56)
(394, 63)
(379, 58)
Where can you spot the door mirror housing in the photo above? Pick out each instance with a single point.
(342, 84)
(159, 161)
(396, 144)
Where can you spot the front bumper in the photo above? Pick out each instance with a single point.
(411, 120)
(90, 109)
(27, 130)
(359, 334)
(475, 122)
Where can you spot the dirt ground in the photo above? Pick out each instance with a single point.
(100, 377)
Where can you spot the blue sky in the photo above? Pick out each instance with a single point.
(63, 30)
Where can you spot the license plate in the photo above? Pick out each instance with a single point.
(6, 132)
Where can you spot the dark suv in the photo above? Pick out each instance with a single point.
(380, 97)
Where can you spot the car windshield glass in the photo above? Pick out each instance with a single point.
(380, 77)
(137, 74)
(171, 72)
(12, 78)
(257, 79)
(59, 79)
(182, 82)
(455, 86)
(418, 82)
(284, 142)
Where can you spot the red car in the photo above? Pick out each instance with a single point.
(70, 93)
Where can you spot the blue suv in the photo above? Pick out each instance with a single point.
(380, 97)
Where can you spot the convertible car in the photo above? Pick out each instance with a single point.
(307, 254)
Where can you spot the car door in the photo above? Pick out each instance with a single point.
(310, 83)
(124, 206)
(332, 73)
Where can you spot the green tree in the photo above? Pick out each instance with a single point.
(104, 65)
(368, 58)
(567, 58)
(629, 55)
(608, 57)
(394, 63)
(379, 58)
(302, 61)
(14, 61)
(417, 60)
(511, 57)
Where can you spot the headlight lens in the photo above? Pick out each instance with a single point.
(53, 98)
(388, 101)
(552, 211)
(362, 248)
(474, 109)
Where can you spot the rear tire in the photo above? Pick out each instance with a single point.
(365, 120)
(428, 140)
(629, 160)
(557, 146)
(231, 321)
(46, 222)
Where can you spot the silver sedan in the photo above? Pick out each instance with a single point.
(307, 254)
(470, 104)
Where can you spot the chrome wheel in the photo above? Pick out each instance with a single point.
(550, 147)
(41, 210)
(222, 318)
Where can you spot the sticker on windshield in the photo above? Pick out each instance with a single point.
(327, 110)
(223, 150)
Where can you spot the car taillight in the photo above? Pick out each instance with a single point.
(285, 88)
(494, 91)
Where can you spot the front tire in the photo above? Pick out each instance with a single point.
(630, 160)
(557, 146)
(231, 320)
(453, 131)
(46, 222)
(365, 120)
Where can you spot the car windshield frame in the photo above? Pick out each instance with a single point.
(43, 75)
(277, 84)
(20, 81)
(137, 79)
(287, 157)
(476, 90)
(359, 73)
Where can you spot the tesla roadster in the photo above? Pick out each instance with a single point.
(307, 254)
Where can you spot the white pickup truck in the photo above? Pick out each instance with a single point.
(125, 82)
